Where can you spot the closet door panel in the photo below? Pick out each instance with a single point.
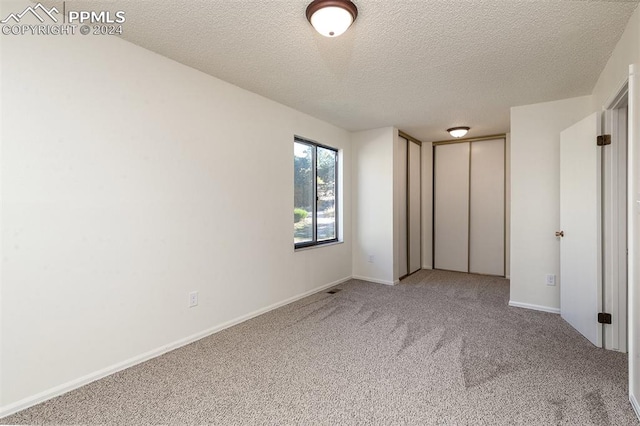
(402, 205)
(486, 242)
(415, 209)
(451, 215)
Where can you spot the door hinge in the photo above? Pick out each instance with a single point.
(603, 140)
(604, 318)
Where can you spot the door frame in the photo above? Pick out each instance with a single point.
(632, 222)
(615, 205)
(410, 231)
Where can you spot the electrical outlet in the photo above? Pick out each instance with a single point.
(193, 299)
(551, 279)
(371, 258)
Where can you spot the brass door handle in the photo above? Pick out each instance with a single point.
(560, 234)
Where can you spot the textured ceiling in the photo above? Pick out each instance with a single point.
(422, 66)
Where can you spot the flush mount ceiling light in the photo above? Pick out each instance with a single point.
(458, 132)
(331, 17)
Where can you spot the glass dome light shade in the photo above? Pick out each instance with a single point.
(458, 132)
(331, 18)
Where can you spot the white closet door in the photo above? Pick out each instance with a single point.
(451, 239)
(402, 204)
(486, 226)
(415, 210)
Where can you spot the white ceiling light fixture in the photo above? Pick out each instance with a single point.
(331, 17)
(458, 132)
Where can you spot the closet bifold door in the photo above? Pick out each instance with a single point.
(402, 204)
(414, 206)
(451, 206)
(486, 223)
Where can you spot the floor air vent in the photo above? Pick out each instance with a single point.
(334, 291)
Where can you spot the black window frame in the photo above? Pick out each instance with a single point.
(314, 163)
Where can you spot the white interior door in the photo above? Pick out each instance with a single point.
(486, 224)
(580, 221)
(415, 207)
(451, 209)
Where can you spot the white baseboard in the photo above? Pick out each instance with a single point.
(97, 375)
(427, 267)
(534, 307)
(373, 280)
(635, 405)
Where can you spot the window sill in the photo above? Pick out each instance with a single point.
(317, 246)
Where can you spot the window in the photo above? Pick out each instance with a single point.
(315, 206)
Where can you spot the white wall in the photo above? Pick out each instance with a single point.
(616, 72)
(373, 205)
(129, 180)
(535, 197)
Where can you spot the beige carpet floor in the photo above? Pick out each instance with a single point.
(441, 348)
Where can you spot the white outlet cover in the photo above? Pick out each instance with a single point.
(193, 299)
